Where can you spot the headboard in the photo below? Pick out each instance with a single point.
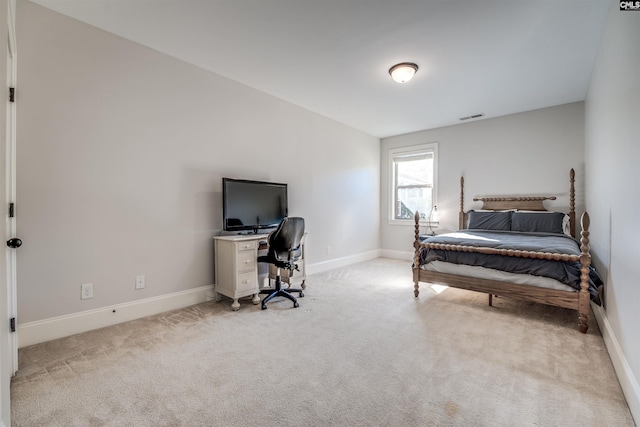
(530, 203)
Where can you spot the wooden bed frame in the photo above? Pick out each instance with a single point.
(577, 300)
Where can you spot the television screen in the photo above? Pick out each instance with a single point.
(252, 205)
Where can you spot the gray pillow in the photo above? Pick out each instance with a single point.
(538, 222)
(489, 220)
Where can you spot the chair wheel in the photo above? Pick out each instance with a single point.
(264, 307)
(301, 295)
(295, 304)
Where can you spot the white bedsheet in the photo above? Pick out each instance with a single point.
(489, 273)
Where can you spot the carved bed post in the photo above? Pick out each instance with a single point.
(416, 255)
(585, 262)
(461, 214)
(572, 203)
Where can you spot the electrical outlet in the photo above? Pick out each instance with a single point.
(86, 291)
(140, 282)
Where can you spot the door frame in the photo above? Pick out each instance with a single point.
(9, 357)
(12, 283)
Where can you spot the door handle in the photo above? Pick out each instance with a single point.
(14, 243)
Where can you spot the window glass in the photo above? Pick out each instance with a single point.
(413, 172)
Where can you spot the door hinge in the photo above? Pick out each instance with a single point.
(12, 324)
(11, 210)
(12, 94)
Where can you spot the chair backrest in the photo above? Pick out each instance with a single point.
(284, 242)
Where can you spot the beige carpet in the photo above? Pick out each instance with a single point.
(359, 351)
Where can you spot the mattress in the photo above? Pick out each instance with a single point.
(492, 274)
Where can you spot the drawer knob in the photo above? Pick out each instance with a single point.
(247, 261)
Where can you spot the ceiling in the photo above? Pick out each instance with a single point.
(332, 57)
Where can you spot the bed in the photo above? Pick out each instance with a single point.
(513, 247)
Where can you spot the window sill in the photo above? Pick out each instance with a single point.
(411, 222)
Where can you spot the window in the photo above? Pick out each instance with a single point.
(413, 181)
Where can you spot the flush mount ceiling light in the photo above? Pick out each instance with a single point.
(403, 72)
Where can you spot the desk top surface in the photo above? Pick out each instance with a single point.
(242, 237)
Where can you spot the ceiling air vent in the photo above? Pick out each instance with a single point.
(475, 116)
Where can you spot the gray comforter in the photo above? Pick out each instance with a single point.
(565, 272)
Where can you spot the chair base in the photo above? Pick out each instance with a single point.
(279, 292)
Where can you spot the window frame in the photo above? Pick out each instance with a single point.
(416, 150)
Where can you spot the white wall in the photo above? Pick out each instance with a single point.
(120, 159)
(526, 153)
(613, 190)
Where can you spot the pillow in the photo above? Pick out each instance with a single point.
(566, 222)
(489, 220)
(538, 222)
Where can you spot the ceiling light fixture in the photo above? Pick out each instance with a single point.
(403, 72)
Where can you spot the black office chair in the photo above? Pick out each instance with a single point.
(284, 251)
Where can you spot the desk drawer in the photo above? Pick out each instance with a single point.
(247, 282)
(247, 246)
(246, 261)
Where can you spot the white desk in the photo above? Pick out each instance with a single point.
(236, 267)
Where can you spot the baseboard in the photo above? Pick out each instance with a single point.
(320, 267)
(403, 255)
(63, 326)
(628, 381)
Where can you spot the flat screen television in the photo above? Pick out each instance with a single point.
(252, 205)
